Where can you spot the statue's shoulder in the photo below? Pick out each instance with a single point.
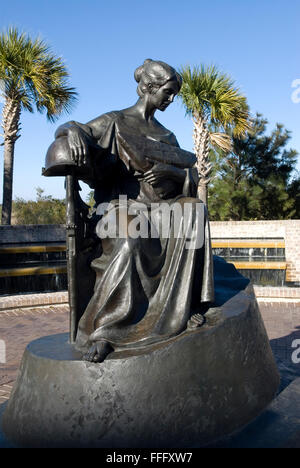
(167, 136)
(100, 124)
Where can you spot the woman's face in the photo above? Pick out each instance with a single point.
(164, 95)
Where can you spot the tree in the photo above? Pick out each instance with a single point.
(30, 75)
(258, 180)
(44, 210)
(294, 194)
(216, 107)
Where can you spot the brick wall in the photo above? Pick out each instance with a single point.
(289, 230)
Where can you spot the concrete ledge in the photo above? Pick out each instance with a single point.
(276, 292)
(33, 300)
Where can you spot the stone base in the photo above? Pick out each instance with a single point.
(186, 392)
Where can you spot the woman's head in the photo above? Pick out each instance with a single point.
(152, 75)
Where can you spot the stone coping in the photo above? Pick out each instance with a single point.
(277, 292)
(30, 300)
(49, 298)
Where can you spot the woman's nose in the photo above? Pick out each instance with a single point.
(171, 98)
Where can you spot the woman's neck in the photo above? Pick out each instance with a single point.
(143, 109)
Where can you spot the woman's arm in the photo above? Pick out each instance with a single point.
(64, 129)
(161, 171)
(81, 136)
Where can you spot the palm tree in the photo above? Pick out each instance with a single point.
(217, 108)
(30, 74)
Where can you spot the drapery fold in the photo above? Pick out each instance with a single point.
(146, 288)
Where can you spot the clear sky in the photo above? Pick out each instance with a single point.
(102, 42)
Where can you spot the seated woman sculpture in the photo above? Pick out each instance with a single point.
(148, 288)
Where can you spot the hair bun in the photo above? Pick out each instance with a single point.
(140, 70)
(156, 74)
(138, 73)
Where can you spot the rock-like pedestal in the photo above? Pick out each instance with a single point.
(186, 392)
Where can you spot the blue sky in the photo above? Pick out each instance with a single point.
(255, 41)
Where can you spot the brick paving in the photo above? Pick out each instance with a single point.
(21, 325)
(282, 322)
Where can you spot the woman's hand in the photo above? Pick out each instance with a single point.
(161, 171)
(78, 145)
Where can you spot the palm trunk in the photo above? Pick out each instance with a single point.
(201, 147)
(10, 124)
(7, 182)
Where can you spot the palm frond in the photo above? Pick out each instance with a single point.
(207, 92)
(221, 140)
(33, 75)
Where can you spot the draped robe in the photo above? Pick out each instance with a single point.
(146, 289)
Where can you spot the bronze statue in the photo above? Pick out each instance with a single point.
(132, 291)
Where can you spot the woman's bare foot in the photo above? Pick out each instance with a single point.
(98, 351)
(195, 321)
